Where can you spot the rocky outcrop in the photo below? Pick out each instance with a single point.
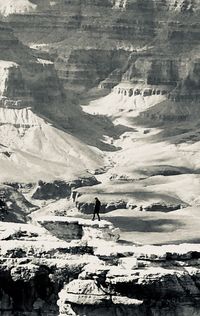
(129, 288)
(61, 189)
(87, 208)
(132, 90)
(25, 79)
(72, 228)
(14, 92)
(42, 275)
(17, 207)
(163, 207)
(89, 67)
(138, 199)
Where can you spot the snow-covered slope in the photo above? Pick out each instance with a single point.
(118, 103)
(32, 149)
(15, 6)
(155, 168)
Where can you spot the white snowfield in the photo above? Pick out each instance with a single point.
(8, 7)
(113, 104)
(40, 151)
(4, 72)
(153, 166)
(140, 156)
(20, 117)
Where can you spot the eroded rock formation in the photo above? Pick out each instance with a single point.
(105, 42)
(30, 95)
(41, 275)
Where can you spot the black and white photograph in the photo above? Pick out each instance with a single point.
(99, 157)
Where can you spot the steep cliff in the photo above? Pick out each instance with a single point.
(31, 94)
(154, 41)
(42, 275)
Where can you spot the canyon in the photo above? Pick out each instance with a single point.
(99, 98)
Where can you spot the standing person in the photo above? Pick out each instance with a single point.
(97, 208)
(3, 208)
(3, 205)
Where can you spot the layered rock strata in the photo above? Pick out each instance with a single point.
(41, 275)
(106, 42)
(31, 148)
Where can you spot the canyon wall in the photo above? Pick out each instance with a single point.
(25, 79)
(154, 41)
(32, 99)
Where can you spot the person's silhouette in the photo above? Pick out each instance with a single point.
(3, 209)
(3, 206)
(97, 208)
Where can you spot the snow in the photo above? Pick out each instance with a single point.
(120, 4)
(39, 46)
(40, 150)
(114, 104)
(143, 172)
(44, 61)
(9, 229)
(16, 6)
(140, 155)
(23, 116)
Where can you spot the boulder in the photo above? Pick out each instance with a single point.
(69, 228)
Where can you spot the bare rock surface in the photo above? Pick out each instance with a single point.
(54, 277)
(69, 228)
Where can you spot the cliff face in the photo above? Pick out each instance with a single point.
(24, 78)
(41, 275)
(30, 90)
(91, 39)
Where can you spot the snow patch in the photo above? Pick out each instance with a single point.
(16, 6)
(121, 4)
(44, 61)
(20, 117)
(115, 103)
(41, 151)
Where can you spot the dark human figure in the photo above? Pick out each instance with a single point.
(3, 205)
(3, 209)
(97, 208)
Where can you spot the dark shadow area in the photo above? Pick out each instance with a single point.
(129, 224)
(125, 242)
(88, 128)
(182, 241)
(176, 128)
(143, 195)
(91, 129)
